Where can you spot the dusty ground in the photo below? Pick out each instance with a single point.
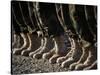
(27, 65)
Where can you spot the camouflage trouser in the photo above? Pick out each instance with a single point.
(85, 22)
(57, 18)
(80, 19)
(23, 19)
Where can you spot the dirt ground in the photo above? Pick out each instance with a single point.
(27, 65)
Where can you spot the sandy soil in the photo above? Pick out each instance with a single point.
(27, 65)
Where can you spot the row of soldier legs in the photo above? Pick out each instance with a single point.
(74, 53)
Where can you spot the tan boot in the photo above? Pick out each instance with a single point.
(76, 54)
(61, 48)
(24, 46)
